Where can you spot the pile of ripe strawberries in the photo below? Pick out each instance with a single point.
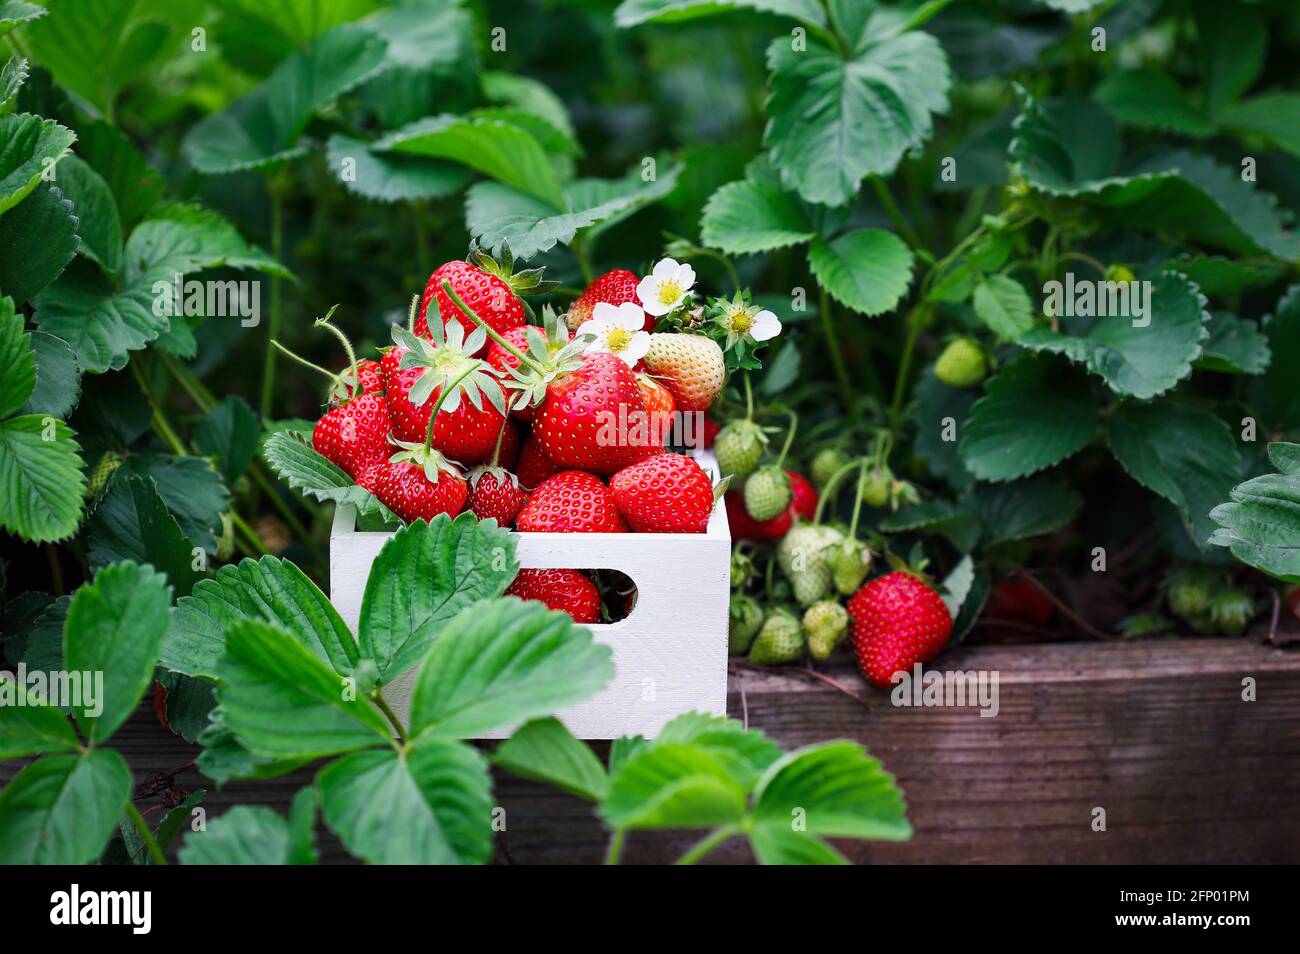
(473, 408)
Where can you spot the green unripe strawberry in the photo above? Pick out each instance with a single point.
(962, 364)
(850, 562)
(1190, 592)
(1231, 610)
(99, 477)
(804, 557)
(767, 493)
(779, 641)
(743, 623)
(826, 464)
(739, 447)
(875, 490)
(824, 626)
(1120, 273)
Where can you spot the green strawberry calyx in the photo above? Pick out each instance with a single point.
(448, 366)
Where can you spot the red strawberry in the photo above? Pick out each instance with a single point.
(745, 527)
(464, 432)
(594, 418)
(355, 434)
(544, 343)
(567, 591)
(804, 503)
(493, 492)
(659, 405)
(1015, 599)
(898, 621)
(406, 488)
(367, 373)
(666, 493)
(534, 466)
(491, 297)
(572, 501)
(615, 288)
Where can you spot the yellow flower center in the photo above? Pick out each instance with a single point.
(619, 338)
(669, 291)
(741, 321)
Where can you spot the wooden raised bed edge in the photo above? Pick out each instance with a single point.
(1156, 733)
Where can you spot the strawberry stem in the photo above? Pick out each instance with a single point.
(789, 436)
(343, 339)
(832, 485)
(305, 363)
(496, 451)
(491, 332)
(749, 399)
(442, 396)
(857, 500)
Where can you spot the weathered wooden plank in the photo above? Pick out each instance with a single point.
(1154, 732)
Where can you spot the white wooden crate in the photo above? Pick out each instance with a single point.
(670, 653)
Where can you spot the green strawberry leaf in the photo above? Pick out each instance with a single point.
(1261, 525)
(1274, 116)
(98, 226)
(102, 325)
(545, 751)
(42, 484)
(115, 627)
(136, 188)
(832, 788)
(1151, 100)
(675, 785)
(29, 727)
(431, 804)
(184, 237)
(230, 433)
(498, 214)
(28, 146)
(283, 702)
(1185, 454)
(1274, 395)
(501, 663)
(14, 13)
(1232, 43)
(1235, 346)
(632, 13)
(256, 835)
(834, 121)
(1003, 305)
(192, 490)
(1021, 509)
(423, 577)
(262, 129)
(289, 453)
(269, 590)
(131, 522)
(502, 150)
(62, 809)
(17, 362)
(1137, 357)
(38, 238)
(777, 845)
(1035, 412)
(868, 270)
(390, 177)
(12, 77)
(745, 217)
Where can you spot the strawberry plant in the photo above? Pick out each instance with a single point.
(989, 313)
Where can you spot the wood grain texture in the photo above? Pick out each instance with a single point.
(1154, 732)
(670, 652)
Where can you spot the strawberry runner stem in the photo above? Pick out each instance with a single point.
(343, 340)
(305, 363)
(491, 332)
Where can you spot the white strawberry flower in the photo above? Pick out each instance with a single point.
(618, 329)
(664, 288)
